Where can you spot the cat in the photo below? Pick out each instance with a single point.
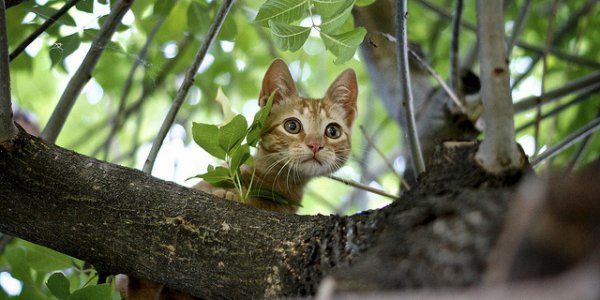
(302, 138)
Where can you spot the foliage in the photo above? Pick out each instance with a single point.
(336, 27)
(226, 143)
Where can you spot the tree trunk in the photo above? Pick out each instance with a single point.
(123, 221)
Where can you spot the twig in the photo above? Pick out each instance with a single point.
(387, 163)
(454, 51)
(49, 22)
(127, 87)
(560, 33)
(440, 80)
(84, 72)
(187, 83)
(578, 153)
(498, 151)
(568, 141)
(521, 44)
(431, 71)
(8, 130)
(576, 85)
(363, 187)
(580, 98)
(538, 112)
(518, 27)
(404, 74)
(148, 88)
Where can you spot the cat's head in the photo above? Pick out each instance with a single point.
(306, 137)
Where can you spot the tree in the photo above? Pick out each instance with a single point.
(441, 232)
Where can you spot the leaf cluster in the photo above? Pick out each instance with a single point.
(227, 143)
(336, 26)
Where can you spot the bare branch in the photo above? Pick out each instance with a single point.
(498, 151)
(538, 112)
(581, 83)
(568, 141)
(440, 80)
(8, 130)
(363, 187)
(580, 98)
(84, 72)
(454, 51)
(407, 100)
(49, 22)
(518, 26)
(187, 83)
(527, 46)
(141, 57)
(149, 86)
(560, 33)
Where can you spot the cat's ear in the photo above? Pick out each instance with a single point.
(344, 91)
(279, 79)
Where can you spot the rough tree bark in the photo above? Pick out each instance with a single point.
(123, 221)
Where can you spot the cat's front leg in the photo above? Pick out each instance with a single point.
(229, 194)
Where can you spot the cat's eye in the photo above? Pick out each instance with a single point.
(333, 131)
(292, 126)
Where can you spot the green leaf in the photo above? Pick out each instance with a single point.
(207, 137)
(267, 194)
(284, 11)
(229, 29)
(46, 260)
(164, 7)
(344, 45)
(45, 12)
(198, 19)
(216, 176)
(59, 285)
(364, 2)
(85, 5)
(89, 34)
(92, 292)
(239, 156)
(288, 37)
(333, 20)
(327, 8)
(64, 47)
(260, 118)
(232, 134)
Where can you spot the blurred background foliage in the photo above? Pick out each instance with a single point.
(236, 64)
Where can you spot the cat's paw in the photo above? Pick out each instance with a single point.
(226, 193)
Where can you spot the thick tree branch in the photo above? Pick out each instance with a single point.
(123, 221)
(498, 152)
(84, 72)
(7, 127)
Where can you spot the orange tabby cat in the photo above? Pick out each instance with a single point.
(303, 138)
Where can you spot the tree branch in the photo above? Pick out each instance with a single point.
(84, 72)
(123, 221)
(584, 82)
(572, 138)
(187, 83)
(407, 97)
(8, 130)
(498, 152)
(454, 52)
(49, 22)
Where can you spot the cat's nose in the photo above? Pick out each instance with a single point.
(314, 147)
